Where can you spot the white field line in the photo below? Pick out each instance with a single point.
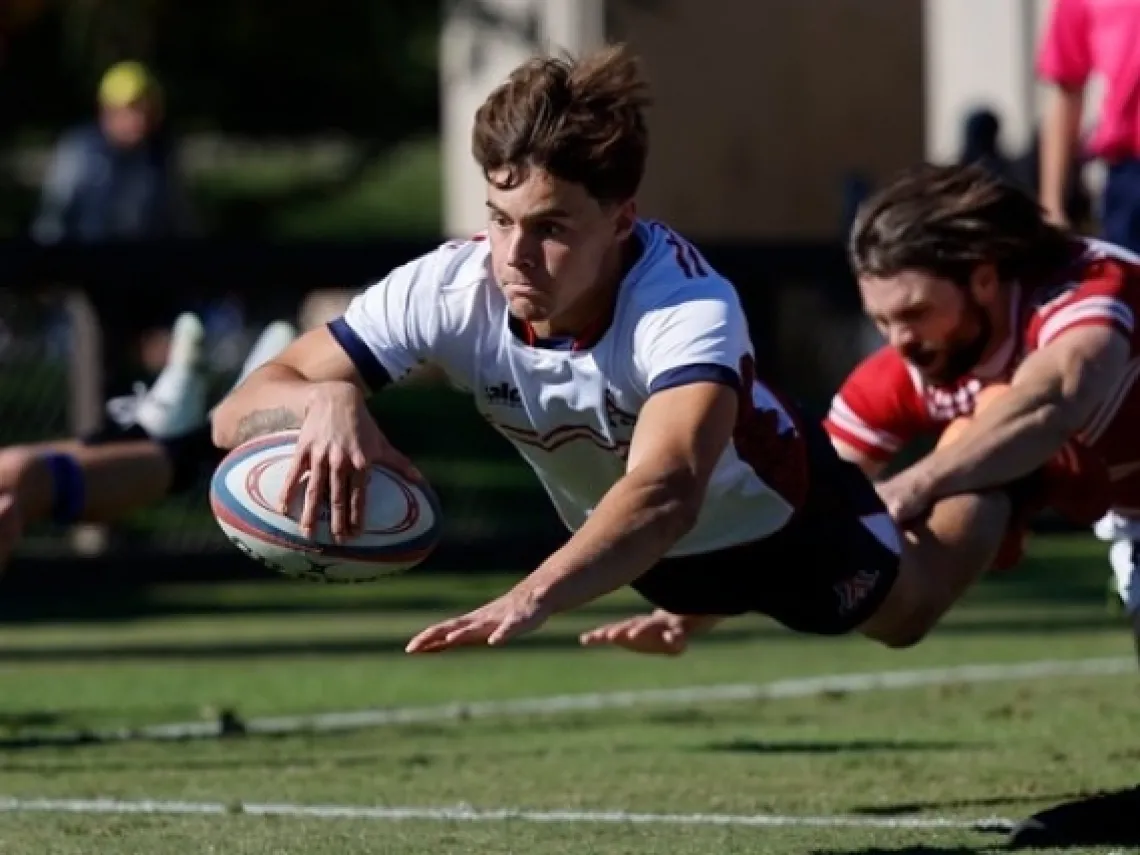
(798, 687)
(464, 813)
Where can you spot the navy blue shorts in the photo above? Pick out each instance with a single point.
(825, 572)
(1120, 213)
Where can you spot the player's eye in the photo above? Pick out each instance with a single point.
(551, 230)
(499, 221)
(913, 314)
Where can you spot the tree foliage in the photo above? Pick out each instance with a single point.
(365, 67)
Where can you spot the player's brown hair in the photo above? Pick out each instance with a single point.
(580, 120)
(946, 220)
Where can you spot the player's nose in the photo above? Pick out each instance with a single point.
(520, 251)
(900, 336)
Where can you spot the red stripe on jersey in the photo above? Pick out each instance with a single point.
(873, 452)
(1103, 292)
(879, 408)
(1091, 321)
(777, 454)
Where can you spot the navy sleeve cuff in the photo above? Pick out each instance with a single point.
(701, 373)
(375, 375)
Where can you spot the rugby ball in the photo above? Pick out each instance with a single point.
(401, 526)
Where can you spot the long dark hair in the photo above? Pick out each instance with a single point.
(946, 220)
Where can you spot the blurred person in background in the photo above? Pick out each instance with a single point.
(981, 143)
(115, 178)
(153, 444)
(1084, 38)
(1077, 204)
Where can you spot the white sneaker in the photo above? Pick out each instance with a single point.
(1110, 527)
(176, 404)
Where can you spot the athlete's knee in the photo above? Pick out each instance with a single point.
(48, 483)
(940, 560)
(16, 462)
(906, 616)
(904, 622)
(902, 637)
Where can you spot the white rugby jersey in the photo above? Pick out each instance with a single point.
(571, 410)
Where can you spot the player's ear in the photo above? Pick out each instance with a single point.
(624, 219)
(985, 286)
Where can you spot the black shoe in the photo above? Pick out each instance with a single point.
(1108, 819)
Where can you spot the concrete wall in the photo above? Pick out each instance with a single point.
(762, 106)
(482, 41)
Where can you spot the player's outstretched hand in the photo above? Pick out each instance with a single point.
(662, 633)
(338, 442)
(511, 615)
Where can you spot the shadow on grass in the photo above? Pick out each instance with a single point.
(244, 762)
(995, 801)
(910, 850)
(101, 651)
(837, 746)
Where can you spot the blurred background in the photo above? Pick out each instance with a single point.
(250, 163)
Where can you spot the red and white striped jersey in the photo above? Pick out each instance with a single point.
(885, 403)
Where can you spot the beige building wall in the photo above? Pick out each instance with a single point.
(761, 105)
(481, 42)
(979, 53)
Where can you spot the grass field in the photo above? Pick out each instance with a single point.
(943, 753)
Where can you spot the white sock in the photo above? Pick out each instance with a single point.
(273, 339)
(1123, 556)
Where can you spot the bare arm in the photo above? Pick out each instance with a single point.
(1059, 136)
(681, 434)
(277, 395)
(1052, 396)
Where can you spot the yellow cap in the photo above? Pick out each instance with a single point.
(125, 83)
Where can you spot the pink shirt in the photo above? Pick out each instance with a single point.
(1099, 36)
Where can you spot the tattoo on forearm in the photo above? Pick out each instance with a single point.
(261, 422)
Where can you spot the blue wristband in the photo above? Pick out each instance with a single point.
(69, 487)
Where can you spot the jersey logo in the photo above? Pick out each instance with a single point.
(614, 436)
(685, 255)
(502, 395)
(563, 435)
(616, 416)
(851, 592)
